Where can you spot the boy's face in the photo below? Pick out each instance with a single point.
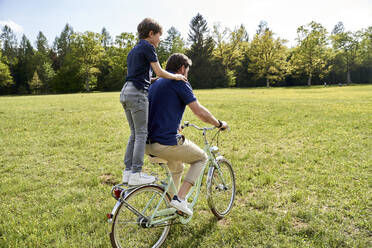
(154, 39)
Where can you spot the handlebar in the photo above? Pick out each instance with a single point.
(188, 124)
(204, 129)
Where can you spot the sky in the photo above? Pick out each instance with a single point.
(283, 16)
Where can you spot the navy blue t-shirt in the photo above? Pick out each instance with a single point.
(167, 102)
(138, 64)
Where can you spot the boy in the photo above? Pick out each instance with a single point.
(141, 60)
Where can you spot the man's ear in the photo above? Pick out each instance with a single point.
(183, 69)
(151, 33)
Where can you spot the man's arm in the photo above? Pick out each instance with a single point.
(203, 114)
(164, 74)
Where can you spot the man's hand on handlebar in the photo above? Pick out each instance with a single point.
(223, 125)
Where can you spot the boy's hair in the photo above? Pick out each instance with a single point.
(146, 26)
(176, 61)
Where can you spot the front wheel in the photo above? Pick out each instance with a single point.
(131, 229)
(221, 188)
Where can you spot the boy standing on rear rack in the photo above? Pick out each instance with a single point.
(142, 60)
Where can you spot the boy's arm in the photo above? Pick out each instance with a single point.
(153, 79)
(164, 74)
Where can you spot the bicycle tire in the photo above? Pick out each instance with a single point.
(128, 229)
(221, 196)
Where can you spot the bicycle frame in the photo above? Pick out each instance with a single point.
(170, 213)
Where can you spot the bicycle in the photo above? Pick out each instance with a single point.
(143, 215)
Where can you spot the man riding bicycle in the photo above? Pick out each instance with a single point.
(167, 102)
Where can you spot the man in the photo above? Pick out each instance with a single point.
(167, 102)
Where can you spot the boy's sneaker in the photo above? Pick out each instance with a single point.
(140, 178)
(181, 205)
(126, 175)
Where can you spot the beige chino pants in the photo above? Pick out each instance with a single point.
(186, 152)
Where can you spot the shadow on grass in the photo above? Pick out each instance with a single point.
(193, 237)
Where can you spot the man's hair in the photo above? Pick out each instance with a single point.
(148, 25)
(176, 61)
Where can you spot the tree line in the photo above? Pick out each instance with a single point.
(221, 58)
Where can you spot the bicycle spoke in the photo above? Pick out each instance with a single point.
(127, 222)
(221, 190)
(131, 225)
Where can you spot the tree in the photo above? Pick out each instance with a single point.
(5, 77)
(365, 54)
(9, 44)
(173, 43)
(116, 63)
(268, 57)
(229, 44)
(310, 55)
(230, 48)
(47, 75)
(104, 64)
(346, 44)
(366, 45)
(361, 67)
(244, 78)
(35, 83)
(43, 61)
(206, 71)
(106, 38)
(25, 67)
(61, 46)
(262, 28)
(68, 78)
(198, 31)
(42, 44)
(87, 51)
(8, 60)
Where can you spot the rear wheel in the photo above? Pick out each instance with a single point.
(132, 230)
(221, 188)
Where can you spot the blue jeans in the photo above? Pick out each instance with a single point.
(136, 105)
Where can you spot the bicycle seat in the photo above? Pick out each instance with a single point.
(156, 160)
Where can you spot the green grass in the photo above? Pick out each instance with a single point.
(302, 158)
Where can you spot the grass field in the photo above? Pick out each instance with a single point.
(302, 158)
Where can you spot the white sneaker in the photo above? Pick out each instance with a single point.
(181, 205)
(140, 178)
(126, 175)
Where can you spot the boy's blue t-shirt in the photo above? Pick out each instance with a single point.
(167, 102)
(138, 64)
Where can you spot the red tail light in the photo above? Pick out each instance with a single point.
(117, 193)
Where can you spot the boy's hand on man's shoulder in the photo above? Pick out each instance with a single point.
(181, 77)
